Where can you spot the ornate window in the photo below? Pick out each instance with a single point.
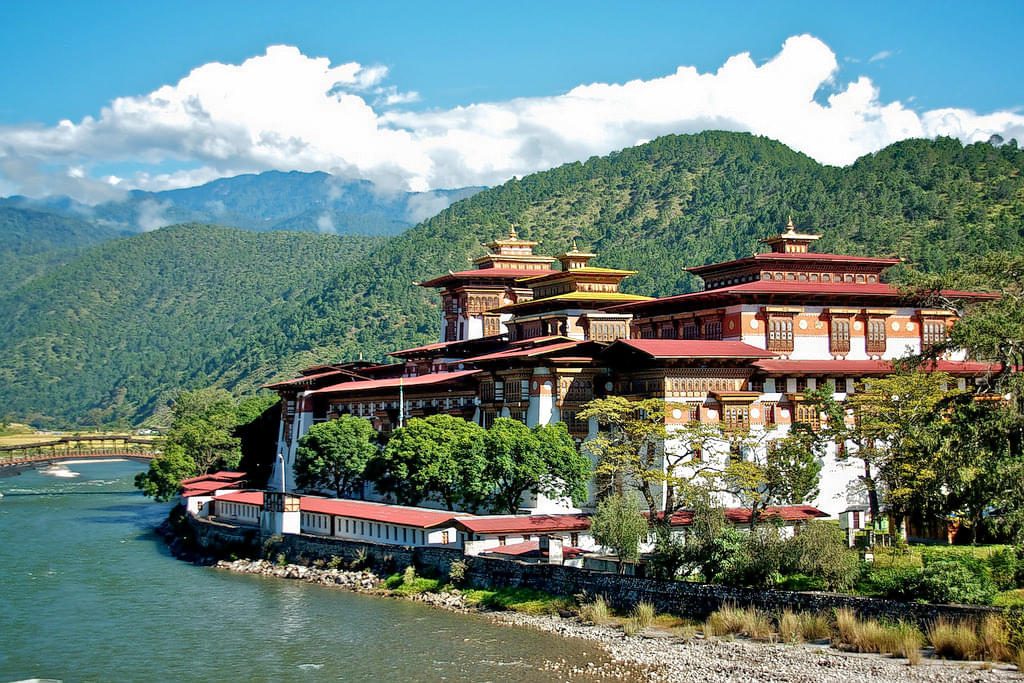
(809, 415)
(492, 325)
(736, 417)
(690, 329)
(713, 329)
(780, 334)
(876, 335)
(839, 335)
(933, 332)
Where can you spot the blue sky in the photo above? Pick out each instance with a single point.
(67, 61)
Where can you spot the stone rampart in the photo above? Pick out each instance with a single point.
(694, 600)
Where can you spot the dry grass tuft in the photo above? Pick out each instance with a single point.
(901, 639)
(643, 614)
(994, 638)
(814, 626)
(954, 640)
(748, 622)
(790, 628)
(596, 612)
(685, 633)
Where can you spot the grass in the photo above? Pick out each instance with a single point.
(733, 620)
(596, 612)
(523, 600)
(407, 583)
(790, 628)
(954, 640)
(900, 639)
(639, 619)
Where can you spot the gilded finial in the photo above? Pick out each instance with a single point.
(789, 226)
(574, 244)
(512, 231)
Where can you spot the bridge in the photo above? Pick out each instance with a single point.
(16, 459)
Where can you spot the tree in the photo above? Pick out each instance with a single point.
(711, 541)
(200, 439)
(631, 452)
(163, 478)
(435, 457)
(617, 524)
(901, 417)
(819, 549)
(782, 472)
(335, 454)
(543, 459)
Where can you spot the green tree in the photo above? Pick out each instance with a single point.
(435, 457)
(711, 541)
(538, 460)
(902, 416)
(334, 454)
(819, 549)
(618, 525)
(784, 471)
(163, 478)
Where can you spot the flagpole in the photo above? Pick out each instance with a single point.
(401, 402)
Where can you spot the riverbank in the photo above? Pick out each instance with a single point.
(656, 654)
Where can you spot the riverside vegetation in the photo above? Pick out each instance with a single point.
(122, 327)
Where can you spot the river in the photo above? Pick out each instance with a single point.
(88, 592)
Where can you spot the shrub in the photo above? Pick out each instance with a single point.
(820, 550)
(596, 612)
(409, 575)
(281, 559)
(1014, 598)
(334, 562)
(954, 640)
(956, 581)
(361, 560)
(897, 583)
(457, 571)
(759, 560)
(1003, 567)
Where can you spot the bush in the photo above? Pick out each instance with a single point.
(820, 550)
(898, 583)
(457, 571)
(956, 581)
(758, 563)
(334, 562)
(1014, 598)
(1004, 566)
(409, 575)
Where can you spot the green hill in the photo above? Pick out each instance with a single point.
(34, 242)
(130, 321)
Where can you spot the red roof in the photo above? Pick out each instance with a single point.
(866, 367)
(246, 497)
(524, 353)
(805, 257)
(393, 382)
(787, 513)
(201, 488)
(376, 512)
(530, 549)
(871, 289)
(215, 476)
(489, 273)
(693, 348)
(530, 524)
(305, 379)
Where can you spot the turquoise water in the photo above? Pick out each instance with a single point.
(88, 592)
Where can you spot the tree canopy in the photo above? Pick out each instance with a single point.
(335, 454)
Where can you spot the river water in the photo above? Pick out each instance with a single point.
(88, 592)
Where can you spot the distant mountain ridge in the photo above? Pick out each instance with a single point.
(126, 323)
(273, 200)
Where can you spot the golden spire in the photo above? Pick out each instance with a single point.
(789, 226)
(512, 231)
(574, 244)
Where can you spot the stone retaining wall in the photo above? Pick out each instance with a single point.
(695, 600)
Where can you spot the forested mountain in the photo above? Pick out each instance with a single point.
(311, 202)
(163, 314)
(32, 242)
(131, 321)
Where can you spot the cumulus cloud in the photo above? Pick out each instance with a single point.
(285, 110)
(424, 205)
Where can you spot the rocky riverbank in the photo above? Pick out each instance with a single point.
(652, 655)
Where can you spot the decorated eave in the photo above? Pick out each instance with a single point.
(650, 350)
(453, 349)
(589, 272)
(800, 260)
(339, 373)
(782, 367)
(484, 276)
(571, 301)
(773, 292)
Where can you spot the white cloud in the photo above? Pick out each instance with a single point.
(879, 56)
(424, 205)
(150, 214)
(325, 225)
(285, 110)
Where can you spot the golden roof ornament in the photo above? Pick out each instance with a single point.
(512, 231)
(789, 226)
